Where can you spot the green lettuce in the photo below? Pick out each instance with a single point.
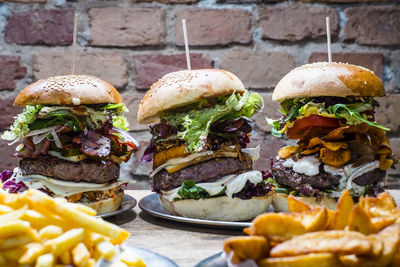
(20, 126)
(189, 190)
(121, 122)
(194, 122)
(294, 108)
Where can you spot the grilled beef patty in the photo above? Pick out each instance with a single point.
(287, 176)
(84, 171)
(323, 180)
(207, 171)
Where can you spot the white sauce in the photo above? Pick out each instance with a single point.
(307, 165)
(233, 183)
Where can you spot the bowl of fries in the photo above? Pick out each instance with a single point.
(38, 230)
(362, 234)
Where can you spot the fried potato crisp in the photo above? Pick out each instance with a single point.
(334, 158)
(309, 260)
(343, 211)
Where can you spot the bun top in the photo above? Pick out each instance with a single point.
(184, 87)
(328, 79)
(68, 90)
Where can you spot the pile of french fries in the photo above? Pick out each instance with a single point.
(362, 234)
(38, 230)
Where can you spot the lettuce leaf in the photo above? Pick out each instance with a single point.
(351, 112)
(120, 122)
(20, 126)
(189, 190)
(194, 124)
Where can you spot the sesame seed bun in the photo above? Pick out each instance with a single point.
(184, 87)
(328, 79)
(68, 90)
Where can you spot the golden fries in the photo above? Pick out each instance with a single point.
(362, 234)
(37, 230)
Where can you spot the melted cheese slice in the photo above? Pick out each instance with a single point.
(64, 188)
(76, 158)
(234, 184)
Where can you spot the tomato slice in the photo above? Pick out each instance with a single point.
(311, 121)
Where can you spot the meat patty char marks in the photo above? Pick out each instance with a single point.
(84, 171)
(287, 176)
(370, 177)
(207, 171)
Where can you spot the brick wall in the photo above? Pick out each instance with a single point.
(133, 43)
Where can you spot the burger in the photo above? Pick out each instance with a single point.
(201, 165)
(72, 140)
(329, 109)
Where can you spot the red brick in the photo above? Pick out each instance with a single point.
(107, 66)
(388, 112)
(40, 26)
(7, 112)
(10, 71)
(393, 86)
(373, 25)
(127, 27)
(258, 70)
(132, 100)
(297, 22)
(151, 67)
(8, 161)
(168, 1)
(213, 27)
(372, 61)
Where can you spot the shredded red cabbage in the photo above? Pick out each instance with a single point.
(250, 190)
(5, 175)
(148, 152)
(14, 187)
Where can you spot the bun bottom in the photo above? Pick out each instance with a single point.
(280, 202)
(106, 205)
(219, 208)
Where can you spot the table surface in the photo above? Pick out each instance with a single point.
(183, 243)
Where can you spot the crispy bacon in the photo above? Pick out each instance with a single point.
(94, 144)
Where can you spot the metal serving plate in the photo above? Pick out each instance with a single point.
(216, 260)
(149, 257)
(128, 203)
(151, 205)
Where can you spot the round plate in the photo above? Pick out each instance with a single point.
(216, 260)
(151, 205)
(128, 203)
(149, 257)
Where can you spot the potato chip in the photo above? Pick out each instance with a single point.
(288, 151)
(335, 158)
(333, 146)
(334, 241)
(338, 133)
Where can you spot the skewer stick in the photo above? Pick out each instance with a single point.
(186, 44)
(74, 42)
(328, 39)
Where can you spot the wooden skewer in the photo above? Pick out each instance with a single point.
(185, 37)
(328, 39)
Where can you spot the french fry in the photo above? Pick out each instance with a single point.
(66, 241)
(314, 220)
(131, 259)
(334, 241)
(97, 238)
(296, 205)
(243, 248)
(46, 260)
(117, 234)
(50, 232)
(80, 255)
(360, 221)
(91, 263)
(105, 250)
(34, 250)
(66, 258)
(381, 222)
(310, 260)
(85, 209)
(12, 228)
(5, 209)
(13, 254)
(19, 240)
(14, 215)
(345, 205)
(39, 220)
(3, 261)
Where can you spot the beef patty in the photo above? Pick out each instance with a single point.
(207, 171)
(323, 180)
(287, 176)
(83, 171)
